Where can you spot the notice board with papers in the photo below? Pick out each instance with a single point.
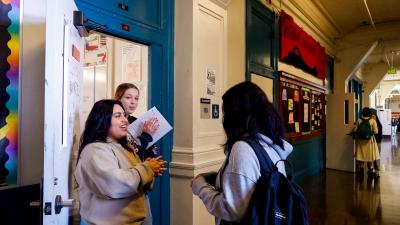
(302, 106)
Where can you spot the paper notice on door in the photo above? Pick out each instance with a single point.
(136, 127)
(305, 120)
(284, 95)
(297, 127)
(290, 104)
(296, 95)
(291, 119)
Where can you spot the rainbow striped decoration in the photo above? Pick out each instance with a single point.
(9, 90)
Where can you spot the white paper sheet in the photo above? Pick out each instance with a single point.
(136, 127)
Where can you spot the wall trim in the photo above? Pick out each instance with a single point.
(199, 149)
(186, 161)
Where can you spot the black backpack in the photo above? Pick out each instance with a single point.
(277, 200)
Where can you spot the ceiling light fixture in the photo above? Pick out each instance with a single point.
(370, 16)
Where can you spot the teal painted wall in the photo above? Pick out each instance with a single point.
(307, 157)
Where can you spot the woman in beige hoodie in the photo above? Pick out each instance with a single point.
(112, 180)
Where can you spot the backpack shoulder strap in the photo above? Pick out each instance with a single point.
(266, 163)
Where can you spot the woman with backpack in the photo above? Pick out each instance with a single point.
(366, 146)
(247, 114)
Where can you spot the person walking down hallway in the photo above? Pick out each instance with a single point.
(366, 146)
(247, 114)
(111, 178)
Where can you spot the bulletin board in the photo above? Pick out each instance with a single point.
(302, 106)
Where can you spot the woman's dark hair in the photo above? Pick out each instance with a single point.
(366, 112)
(248, 112)
(98, 123)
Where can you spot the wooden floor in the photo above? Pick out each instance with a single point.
(338, 198)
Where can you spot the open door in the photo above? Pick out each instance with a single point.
(340, 122)
(63, 124)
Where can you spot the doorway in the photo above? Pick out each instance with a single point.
(110, 61)
(151, 30)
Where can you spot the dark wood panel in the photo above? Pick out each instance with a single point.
(14, 205)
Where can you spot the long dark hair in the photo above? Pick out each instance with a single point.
(248, 112)
(98, 123)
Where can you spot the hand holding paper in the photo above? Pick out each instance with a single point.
(151, 126)
(136, 128)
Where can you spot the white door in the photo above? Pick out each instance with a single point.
(64, 57)
(340, 120)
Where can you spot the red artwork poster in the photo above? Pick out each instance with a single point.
(299, 49)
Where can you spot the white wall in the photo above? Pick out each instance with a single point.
(31, 121)
(385, 88)
(200, 46)
(394, 104)
(236, 65)
(372, 75)
(373, 100)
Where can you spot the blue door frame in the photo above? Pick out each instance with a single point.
(149, 22)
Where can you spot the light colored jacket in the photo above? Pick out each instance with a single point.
(111, 185)
(239, 180)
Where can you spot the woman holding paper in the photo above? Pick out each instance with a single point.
(112, 180)
(128, 94)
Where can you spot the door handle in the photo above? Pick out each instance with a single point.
(60, 203)
(34, 204)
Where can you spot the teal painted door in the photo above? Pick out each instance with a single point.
(261, 43)
(149, 22)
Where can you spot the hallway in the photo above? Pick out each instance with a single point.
(337, 198)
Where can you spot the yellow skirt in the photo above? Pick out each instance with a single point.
(367, 150)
